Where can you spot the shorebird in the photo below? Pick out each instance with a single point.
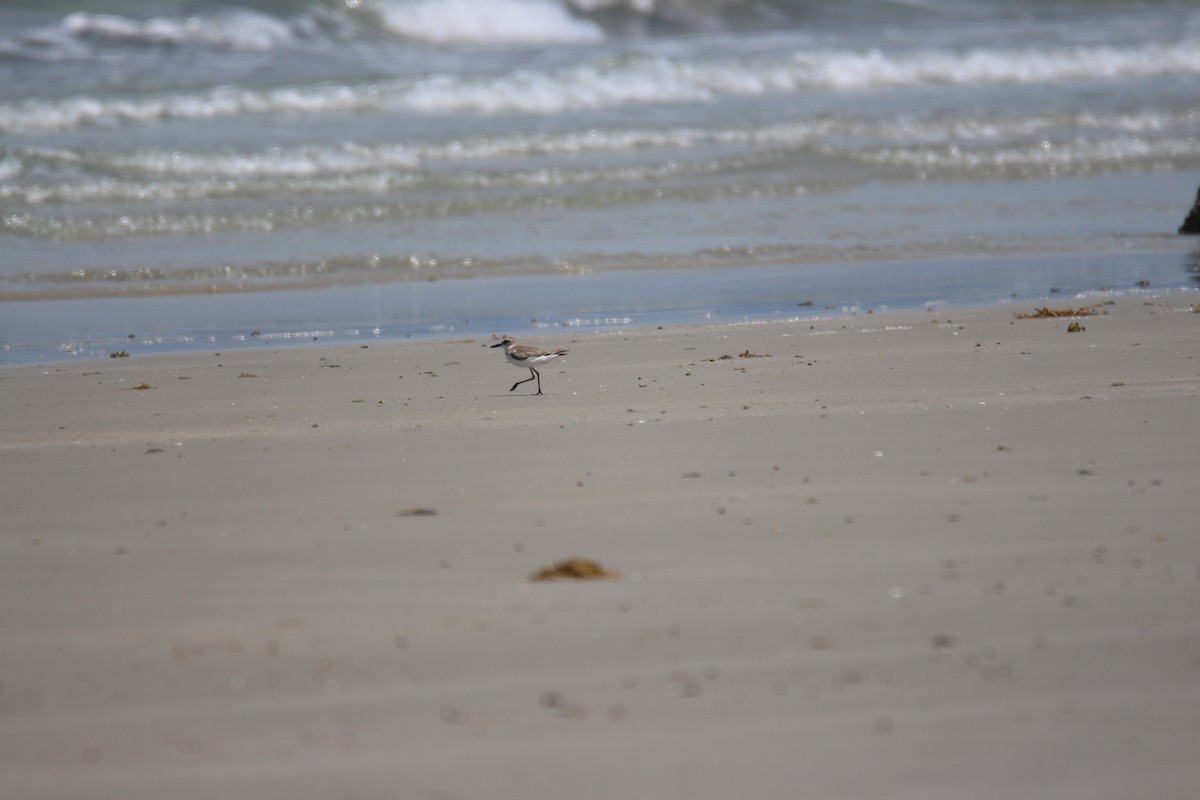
(520, 355)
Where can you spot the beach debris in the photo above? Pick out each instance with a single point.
(943, 641)
(748, 354)
(1191, 224)
(141, 387)
(556, 702)
(247, 375)
(119, 354)
(1075, 327)
(575, 569)
(417, 511)
(1049, 313)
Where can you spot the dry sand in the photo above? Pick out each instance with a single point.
(898, 556)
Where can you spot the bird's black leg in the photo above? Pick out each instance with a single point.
(539, 377)
(527, 380)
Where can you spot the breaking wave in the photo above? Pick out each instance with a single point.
(613, 81)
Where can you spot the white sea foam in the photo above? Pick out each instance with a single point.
(850, 134)
(637, 6)
(614, 82)
(9, 168)
(115, 28)
(235, 29)
(1044, 157)
(944, 146)
(487, 22)
(846, 70)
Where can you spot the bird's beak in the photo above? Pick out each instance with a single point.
(501, 344)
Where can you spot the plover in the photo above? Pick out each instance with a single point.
(520, 355)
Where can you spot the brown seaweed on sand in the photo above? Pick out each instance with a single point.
(1047, 313)
(417, 511)
(575, 569)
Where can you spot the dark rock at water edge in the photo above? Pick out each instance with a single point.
(1192, 223)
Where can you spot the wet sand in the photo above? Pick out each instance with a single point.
(936, 554)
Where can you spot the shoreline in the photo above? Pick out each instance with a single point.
(950, 543)
(48, 331)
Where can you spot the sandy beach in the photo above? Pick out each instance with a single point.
(935, 554)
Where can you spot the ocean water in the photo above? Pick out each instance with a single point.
(183, 174)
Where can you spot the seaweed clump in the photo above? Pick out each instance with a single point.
(575, 569)
(1049, 313)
